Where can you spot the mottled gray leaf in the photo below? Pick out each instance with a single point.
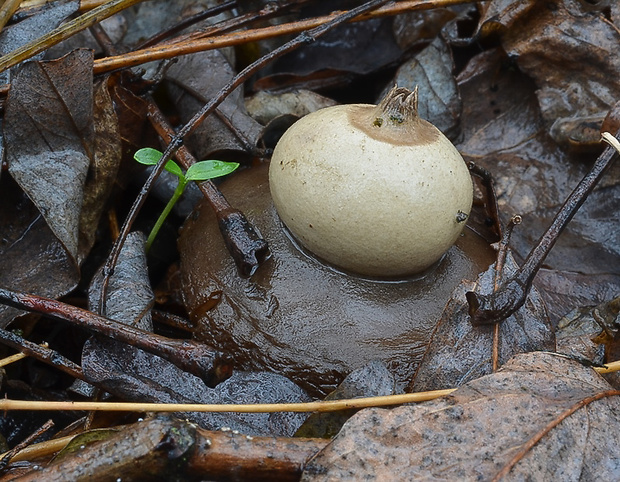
(372, 380)
(103, 169)
(49, 138)
(439, 101)
(33, 27)
(194, 80)
(33, 260)
(541, 417)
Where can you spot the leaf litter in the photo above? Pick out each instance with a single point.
(539, 416)
(531, 114)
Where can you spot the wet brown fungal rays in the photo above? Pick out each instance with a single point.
(301, 317)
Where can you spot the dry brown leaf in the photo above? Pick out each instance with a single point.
(541, 417)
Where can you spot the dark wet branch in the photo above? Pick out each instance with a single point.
(512, 294)
(243, 241)
(41, 353)
(163, 448)
(195, 358)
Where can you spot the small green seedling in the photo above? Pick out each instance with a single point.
(201, 171)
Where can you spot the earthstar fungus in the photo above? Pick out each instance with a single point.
(373, 190)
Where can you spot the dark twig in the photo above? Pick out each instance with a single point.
(499, 268)
(41, 353)
(246, 246)
(269, 10)
(236, 81)
(4, 462)
(187, 22)
(195, 358)
(511, 296)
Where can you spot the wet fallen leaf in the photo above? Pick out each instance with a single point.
(265, 106)
(413, 28)
(541, 417)
(503, 131)
(103, 169)
(129, 300)
(563, 290)
(552, 43)
(591, 333)
(372, 380)
(351, 50)
(459, 352)
(194, 80)
(33, 259)
(431, 71)
(14, 36)
(141, 377)
(49, 138)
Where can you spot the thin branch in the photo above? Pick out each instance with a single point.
(192, 357)
(40, 352)
(486, 310)
(170, 50)
(499, 268)
(64, 31)
(6, 457)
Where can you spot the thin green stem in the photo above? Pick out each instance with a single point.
(178, 192)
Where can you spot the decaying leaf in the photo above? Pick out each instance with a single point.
(33, 260)
(49, 138)
(337, 57)
(413, 28)
(194, 80)
(14, 36)
(103, 169)
(569, 48)
(372, 380)
(592, 334)
(129, 300)
(503, 131)
(265, 106)
(565, 290)
(541, 417)
(459, 352)
(438, 100)
(141, 377)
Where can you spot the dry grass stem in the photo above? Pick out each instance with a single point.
(327, 406)
(321, 406)
(7, 10)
